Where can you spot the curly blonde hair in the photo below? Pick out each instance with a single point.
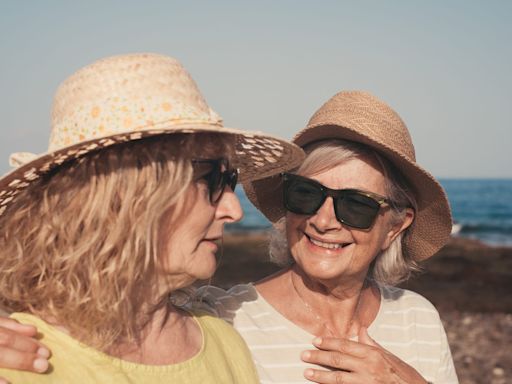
(80, 248)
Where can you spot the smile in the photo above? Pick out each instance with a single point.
(326, 245)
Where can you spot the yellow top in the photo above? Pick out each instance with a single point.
(223, 358)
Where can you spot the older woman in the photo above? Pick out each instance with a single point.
(101, 235)
(356, 217)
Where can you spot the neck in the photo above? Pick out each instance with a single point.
(336, 290)
(337, 310)
(169, 337)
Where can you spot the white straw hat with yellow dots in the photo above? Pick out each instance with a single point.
(132, 97)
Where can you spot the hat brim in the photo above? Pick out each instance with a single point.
(432, 224)
(257, 155)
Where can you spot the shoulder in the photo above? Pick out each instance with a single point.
(222, 339)
(211, 324)
(409, 326)
(407, 305)
(224, 303)
(404, 298)
(227, 355)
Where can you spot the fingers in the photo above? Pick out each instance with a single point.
(349, 361)
(341, 345)
(13, 340)
(18, 350)
(26, 361)
(329, 377)
(332, 359)
(14, 325)
(356, 362)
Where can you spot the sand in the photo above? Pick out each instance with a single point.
(470, 284)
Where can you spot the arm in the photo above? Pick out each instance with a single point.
(357, 362)
(19, 349)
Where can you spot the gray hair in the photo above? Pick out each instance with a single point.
(392, 265)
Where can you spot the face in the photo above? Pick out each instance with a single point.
(189, 252)
(329, 251)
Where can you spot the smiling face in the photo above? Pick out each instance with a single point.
(192, 231)
(329, 251)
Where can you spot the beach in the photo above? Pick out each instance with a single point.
(469, 282)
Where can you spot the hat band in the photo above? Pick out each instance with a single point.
(118, 115)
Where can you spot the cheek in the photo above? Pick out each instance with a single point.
(295, 225)
(378, 238)
(170, 254)
(293, 233)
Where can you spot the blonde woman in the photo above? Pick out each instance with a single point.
(101, 236)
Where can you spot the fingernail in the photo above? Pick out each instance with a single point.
(306, 355)
(43, 352)
(41, 365)
(309, 373)
(317, 341)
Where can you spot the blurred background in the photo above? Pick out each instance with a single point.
(268, 65)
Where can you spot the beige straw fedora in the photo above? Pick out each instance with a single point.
(361, 117)
(130, 97)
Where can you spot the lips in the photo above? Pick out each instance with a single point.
(327, 244)
(213, 238)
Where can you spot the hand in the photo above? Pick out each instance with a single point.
(18, 348)
(363, 362)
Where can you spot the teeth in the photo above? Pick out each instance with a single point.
(325, 245)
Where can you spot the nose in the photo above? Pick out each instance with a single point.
(228, 208)
(325, 219)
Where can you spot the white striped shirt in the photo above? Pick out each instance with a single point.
(407, 325)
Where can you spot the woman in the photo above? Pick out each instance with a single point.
(101, 236)
(359, 215)
(355, 218)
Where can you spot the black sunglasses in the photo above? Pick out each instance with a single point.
(218, 177)
(352, 207)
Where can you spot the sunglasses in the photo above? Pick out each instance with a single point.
(218, 176)
(352, 207)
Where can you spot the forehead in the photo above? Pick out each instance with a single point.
(363, 173)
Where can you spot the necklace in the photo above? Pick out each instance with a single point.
(321, 321)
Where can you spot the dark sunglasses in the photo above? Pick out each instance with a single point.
(219, 176)
(352, 207)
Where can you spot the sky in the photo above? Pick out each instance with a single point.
(267, 65)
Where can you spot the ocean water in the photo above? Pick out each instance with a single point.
(482, 209)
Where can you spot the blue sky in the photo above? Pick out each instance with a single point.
(268, 65)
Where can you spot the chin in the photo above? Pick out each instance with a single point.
(321, 270)
(208, 268)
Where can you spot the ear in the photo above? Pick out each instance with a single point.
(398, 228)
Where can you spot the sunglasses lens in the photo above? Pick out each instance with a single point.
(352, 207)
(217, 175)
(302, 197)
(232, 178)
(356, 210)
(221, 179)
(214, 185)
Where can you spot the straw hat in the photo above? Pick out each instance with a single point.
(131, 97)
(361, 117)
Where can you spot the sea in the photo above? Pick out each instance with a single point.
(481, 209)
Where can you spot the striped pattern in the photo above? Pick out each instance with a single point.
(407, 325)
